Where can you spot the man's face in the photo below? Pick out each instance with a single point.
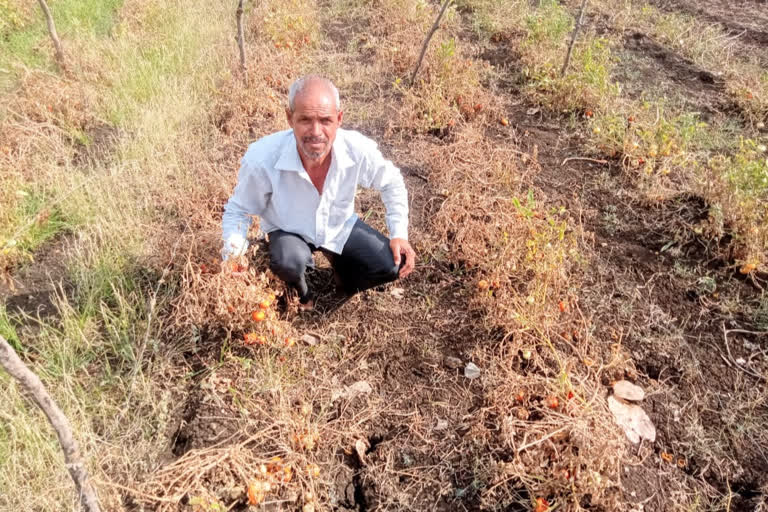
(314, 121)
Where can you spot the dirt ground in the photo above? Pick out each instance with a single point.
(654, 287)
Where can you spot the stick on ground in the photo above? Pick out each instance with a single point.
(33, 386)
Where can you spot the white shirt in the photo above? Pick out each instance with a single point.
(274, 185)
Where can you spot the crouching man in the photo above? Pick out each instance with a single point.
(302, 184)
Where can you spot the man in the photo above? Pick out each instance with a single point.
(302, 183)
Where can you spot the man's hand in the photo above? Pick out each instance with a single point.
(400, 248)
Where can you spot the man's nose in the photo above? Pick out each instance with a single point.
(317, 129)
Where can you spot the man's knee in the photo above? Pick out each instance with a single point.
(289, 266)
(393, 273)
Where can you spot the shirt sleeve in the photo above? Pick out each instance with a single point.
(250, 197)
(382, 175)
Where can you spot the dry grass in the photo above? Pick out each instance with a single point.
(147, 351)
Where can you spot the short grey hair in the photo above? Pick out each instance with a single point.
(301, 83)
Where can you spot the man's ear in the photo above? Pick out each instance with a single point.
(341, 115)
(289, 116)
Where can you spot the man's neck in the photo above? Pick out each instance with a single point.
(317, 170)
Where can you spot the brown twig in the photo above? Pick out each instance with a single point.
(573, 37)
(241, 37)
(52, 32)
(431, 32)
(34, 388)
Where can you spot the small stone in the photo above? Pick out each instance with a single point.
(632, 419)
(358, 388)
(397, 293)
(441, 424)
(453, 362)
(361, 447)
(310, 339)
(471, 371)
(628, 391)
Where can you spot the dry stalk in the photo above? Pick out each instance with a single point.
(34, 387)
(573, 37)
(431, 32)
(241, 38)
(52, 32)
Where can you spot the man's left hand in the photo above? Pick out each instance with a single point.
(401, 248)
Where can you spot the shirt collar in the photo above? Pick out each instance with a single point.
(290, 160)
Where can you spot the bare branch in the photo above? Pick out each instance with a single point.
(52, 32)
(34, 388)
(431, 32)
(573, 37)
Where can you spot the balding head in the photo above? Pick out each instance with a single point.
(312, 85)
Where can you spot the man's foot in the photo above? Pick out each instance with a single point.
(307, 303)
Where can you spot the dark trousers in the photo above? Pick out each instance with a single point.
(365, 262)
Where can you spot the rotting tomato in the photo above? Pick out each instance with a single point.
(258, 316)
(553, 402)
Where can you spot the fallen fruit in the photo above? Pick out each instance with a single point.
(588, 113)
(631, 119)
(570, 395)
(478, 107)
(596, 130)
(264, 304)
(313, 470)
(552, 402)
(255, 494)
(520, 396)
(308, 507)
(562, 306)
(289, 342)
(542, 505)
(666, 457)
(527, 354)
(747, 268)
(258, 316)
(482, 284)
(504, 121)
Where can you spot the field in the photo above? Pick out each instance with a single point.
(574, 229)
